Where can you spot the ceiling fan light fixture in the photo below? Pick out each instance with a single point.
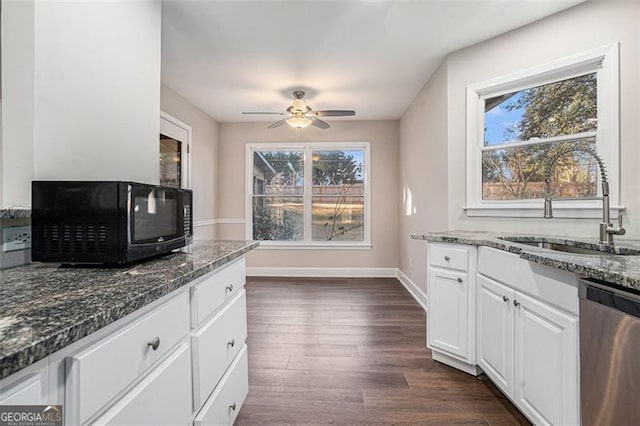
(299, 122)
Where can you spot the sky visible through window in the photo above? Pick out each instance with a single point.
(499, 119)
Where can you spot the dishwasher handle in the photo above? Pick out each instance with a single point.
(613, 298)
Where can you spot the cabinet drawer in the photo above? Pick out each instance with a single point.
(208, 295)
(224, 404)
(449, 256)
(161, 398)
(27, 391)
(216, 344)
(99, 373)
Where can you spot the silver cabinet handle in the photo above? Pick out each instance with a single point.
(446, 258)
(505, 298)
(155, 343)
(516, 303)
(231, 343)
(229, 288)
(233, 407)
(459, 279)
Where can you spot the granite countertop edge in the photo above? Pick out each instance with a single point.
(39, 349)
(13, 213)
(613, 268)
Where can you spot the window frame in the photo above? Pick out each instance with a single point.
(604, 62)
(307, 148)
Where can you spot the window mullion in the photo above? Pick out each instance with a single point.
(308, 189)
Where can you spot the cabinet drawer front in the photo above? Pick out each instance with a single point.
(224, 404)
(161, 398)
(27, 391)
(99, 373)
(216, 344)
(209, 295)
(450, 257)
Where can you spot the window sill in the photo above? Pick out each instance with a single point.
(269, 245)
(559, 212)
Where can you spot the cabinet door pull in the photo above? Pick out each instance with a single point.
(505, 298)
(516, 303)
(229, 288)
(446, 258)
(155, 343)
(459, 279)
(231, 343)
(233, 407)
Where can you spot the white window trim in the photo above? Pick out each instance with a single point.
(308, 147)
(605, 61)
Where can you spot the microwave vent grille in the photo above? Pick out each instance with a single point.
(187, 220)
(71, 238)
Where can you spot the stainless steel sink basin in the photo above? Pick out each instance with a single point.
(594, 249)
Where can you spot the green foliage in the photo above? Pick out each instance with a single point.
(562, 108)
(335, 168)
(269, 227)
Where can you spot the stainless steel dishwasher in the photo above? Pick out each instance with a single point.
(609, 355)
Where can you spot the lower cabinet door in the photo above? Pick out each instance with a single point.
(448, 311)
(163, 397)
(546, 358)
(223, 405)
(495, 350)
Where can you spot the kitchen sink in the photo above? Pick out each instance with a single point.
(571, 246)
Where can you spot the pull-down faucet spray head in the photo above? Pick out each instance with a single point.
(607, 230)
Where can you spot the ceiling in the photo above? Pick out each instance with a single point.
(226, 57)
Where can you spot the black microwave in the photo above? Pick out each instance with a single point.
(107, 222)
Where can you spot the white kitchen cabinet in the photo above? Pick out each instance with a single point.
(451, 305)
(224, 404)
(163, 397)
(28, 390)
(528, 348)
(546, 362)
(495, 346)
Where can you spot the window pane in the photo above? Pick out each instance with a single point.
(338, 218)
(278, 172)
(277, 218)
(518, 173)
(338, 172)
(170, 161)
(563, 108)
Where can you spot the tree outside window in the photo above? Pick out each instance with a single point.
(524, 128)
(321, 201)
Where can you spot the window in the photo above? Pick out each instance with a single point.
(516, 123)
(170, 161)
(308, 195)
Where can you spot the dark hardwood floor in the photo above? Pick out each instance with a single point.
(352, 351)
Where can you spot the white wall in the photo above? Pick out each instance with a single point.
(432, 131)
(383, 136)
(423, 174)
(204, 160)
(82, 101)
(18, 38)
(587, 26)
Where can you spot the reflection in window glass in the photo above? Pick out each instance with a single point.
(170, 162)
(566, 107)
(278, 218)
(515, 173)
(338, 189)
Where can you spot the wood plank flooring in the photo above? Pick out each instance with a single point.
(352, 351)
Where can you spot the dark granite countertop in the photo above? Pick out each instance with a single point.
(45, 308)
(616, 267)
(15, 213)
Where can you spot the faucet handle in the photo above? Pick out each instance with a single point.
(621, 230)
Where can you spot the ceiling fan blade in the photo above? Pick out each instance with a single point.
(278, 113)
(277, 123)
(319, 123)
(335, 113)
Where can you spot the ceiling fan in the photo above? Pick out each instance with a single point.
(300, 115)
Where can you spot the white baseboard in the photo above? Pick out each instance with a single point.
(413, 289)
(322, 272)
